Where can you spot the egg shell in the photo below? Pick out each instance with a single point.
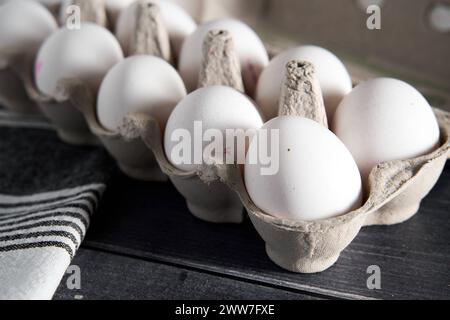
(85, 54)
(218, 107)
(385, 119)
(250, 50)
(178, 23)
(139, 84)
(24, 25)
(333, 77)
(317, 176)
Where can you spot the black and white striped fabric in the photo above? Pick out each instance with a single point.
(48, 193)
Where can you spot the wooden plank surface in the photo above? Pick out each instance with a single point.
(110, 276)
(150, 221)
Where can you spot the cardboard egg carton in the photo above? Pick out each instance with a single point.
(217, 192)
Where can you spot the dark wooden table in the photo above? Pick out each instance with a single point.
(144, 244)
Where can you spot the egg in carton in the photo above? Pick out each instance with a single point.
(72, 53)
(395, 191)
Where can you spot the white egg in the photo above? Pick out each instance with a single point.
(249, 48)
(333, 77)
(84, 54)
(139, 84)
(178, 22)
(24, 25)
(385, 119)
(216, 107)
(317, 177)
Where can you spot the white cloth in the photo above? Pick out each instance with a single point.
(48, 193)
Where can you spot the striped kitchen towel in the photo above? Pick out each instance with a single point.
(48, 193)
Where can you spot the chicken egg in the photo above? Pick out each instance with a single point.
(316, 176)
(84, 54)
(385, 119)
(139, 84)
(213, 107)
